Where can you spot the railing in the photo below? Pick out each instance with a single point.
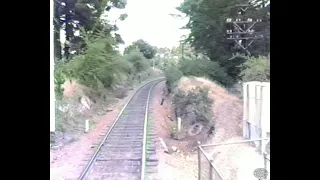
(207, 169)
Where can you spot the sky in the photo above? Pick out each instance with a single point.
(149, 20)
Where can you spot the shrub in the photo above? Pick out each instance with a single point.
(139, 62)
(256, 69)
(205, 68)
(173, 75)
(124, 65)
(99, 66)
(194, 106)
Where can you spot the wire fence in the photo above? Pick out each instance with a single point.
(233, 161)
(206, 167)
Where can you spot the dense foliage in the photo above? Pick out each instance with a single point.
(173, 75)
(256, 69)
(145, 48)
(204, 52)
(196, 103)
(205, 68)
(97, 63)
(207, 23)
(139, 62)
(73, 15)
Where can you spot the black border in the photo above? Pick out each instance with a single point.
(25, 85)
(25, 82)
(293, 69)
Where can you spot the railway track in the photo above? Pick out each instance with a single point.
(128, 151)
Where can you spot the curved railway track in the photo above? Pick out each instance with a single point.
(127, 149)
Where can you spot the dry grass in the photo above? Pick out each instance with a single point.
(227, 108)
(70, 87)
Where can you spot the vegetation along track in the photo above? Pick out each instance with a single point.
(126, 153)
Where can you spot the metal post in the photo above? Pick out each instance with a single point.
(210, 172)
(242, 33)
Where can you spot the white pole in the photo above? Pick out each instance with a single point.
(52, 95)
(87, 126)
(179, 124)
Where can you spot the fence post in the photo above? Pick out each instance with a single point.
(210, 172)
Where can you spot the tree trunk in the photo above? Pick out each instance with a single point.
(68, 11)
(57, 27)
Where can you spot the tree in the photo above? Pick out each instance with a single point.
(68, 12)
(123, 17)
(73, 15)
(145, 48)
(207, 25)
(138, 60)
(256, 69)
(57, 28)
(166, 57)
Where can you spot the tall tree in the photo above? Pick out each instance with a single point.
(73, 15)
(68, 12)
(207, 23)
(145, 48)
(57, 27)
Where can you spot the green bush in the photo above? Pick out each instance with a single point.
(256, 69)
(205, 68)
(99, 66)
(139, 62)
(173, 75)
(124, 65)
(194, 106)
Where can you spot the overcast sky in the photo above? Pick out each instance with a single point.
(150, 20)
